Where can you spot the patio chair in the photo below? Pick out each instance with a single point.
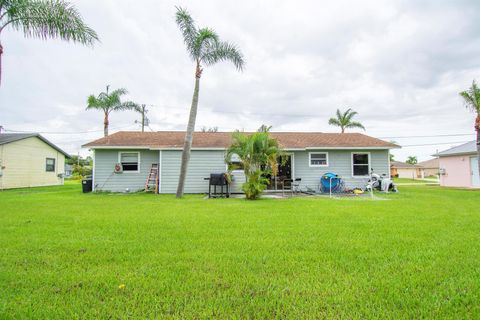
(292, 185)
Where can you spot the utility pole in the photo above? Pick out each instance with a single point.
(142, 109)
(143, 117)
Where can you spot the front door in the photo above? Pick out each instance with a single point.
(284, 173)
(475, 175)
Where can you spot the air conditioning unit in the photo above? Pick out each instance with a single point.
(118, 168)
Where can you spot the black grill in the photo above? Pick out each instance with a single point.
(218, 180)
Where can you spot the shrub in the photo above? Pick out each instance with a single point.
(255, 185)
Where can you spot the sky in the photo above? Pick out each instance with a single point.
(399, 64)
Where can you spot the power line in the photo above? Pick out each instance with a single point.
(433, 144)
(56, 132)
(432, 136)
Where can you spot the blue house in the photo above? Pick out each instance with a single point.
(124, 160)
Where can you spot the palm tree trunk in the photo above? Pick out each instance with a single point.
(105, 125)
(189, 135)
(1, 53)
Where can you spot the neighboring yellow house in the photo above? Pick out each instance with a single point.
(29, 160)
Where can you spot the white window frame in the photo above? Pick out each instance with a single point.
(120, 161)
(369, 164)
(317, 165)
(54, 164)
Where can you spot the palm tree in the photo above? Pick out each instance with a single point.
(412, 160)
(471, 98)
(108, 102)
(264, 128)
(259, 153)
(344, 120)
(205, 49)
(44, 19)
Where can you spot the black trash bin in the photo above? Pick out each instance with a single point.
(87, 184)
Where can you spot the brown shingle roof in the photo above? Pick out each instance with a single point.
(289, 140)
(399, 164)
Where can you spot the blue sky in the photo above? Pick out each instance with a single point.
(399, 64)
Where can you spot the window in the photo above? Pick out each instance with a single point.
(235, 163)
(318, 159)
(50, 165)
(360, 164)
(130, 161)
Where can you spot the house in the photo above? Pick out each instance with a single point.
(29, 160)
(400, 169)
(68, 170)
(459, 166)
(430, 167)
(310, 155)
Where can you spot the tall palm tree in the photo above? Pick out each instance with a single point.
(344, 120)
(44, 19)
(471, 98)
(108, 102)
(205, 49)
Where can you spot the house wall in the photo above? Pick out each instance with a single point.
(339, 162)
(410, 173)
(24, 163)
(201, 164)
(430, 172)
(106, 180)
(457, 171)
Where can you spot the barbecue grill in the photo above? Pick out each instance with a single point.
(218, 180)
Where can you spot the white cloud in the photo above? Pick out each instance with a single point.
(399, 64)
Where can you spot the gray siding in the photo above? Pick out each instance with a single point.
(201, 164)
(106, 180)
(339, 162)
(238, 181)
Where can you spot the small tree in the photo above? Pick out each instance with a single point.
(344, 120)
(259, 153)
(412, 160)
(471, 98)
(108, 102)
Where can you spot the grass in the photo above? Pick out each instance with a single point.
(64, 254)
(406, 180)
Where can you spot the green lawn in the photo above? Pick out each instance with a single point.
(64, 254)
(410, 181)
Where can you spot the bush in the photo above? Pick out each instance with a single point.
(255, 185)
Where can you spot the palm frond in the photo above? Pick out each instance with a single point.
(339, 115)
(349, 114)
(355, 124)
(224, 51)
(94, 103)
(334, 122)
(187, 26)
(127, 105)
(471, 97)
(48, 19)
(205, 41)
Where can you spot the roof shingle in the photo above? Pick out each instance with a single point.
(288, 140)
